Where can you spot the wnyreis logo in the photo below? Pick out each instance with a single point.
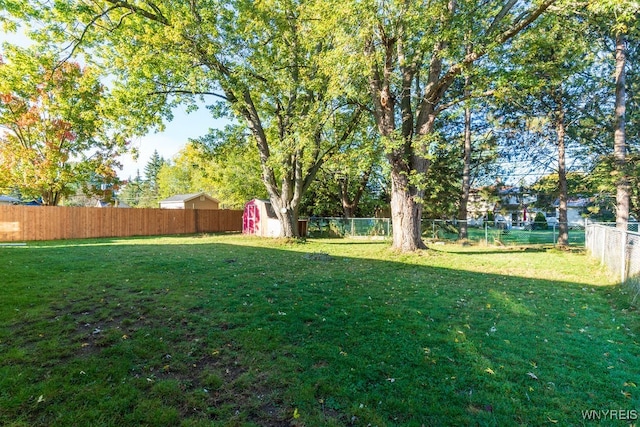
(610, 414)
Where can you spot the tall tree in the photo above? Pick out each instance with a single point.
(623, 190)
(350, 184)
(230, 162)
(182, 174)
(622, 19)
(56, 133)
(548, 94)
(351, 170)
(467, 147)
(264, 60)
(414, 52)
(152, 168)
(132, 191)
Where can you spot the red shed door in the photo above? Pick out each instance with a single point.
(251, 218)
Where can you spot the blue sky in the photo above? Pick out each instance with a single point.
(168, 143)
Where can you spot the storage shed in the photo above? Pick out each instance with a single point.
(260, 219)
(190, 201)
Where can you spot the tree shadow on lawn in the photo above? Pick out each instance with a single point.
(163, 334)
(493, 250)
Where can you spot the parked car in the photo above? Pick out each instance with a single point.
(552, 220)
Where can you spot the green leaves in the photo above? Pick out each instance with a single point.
(56, 133)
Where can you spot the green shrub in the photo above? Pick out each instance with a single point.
(540, 221)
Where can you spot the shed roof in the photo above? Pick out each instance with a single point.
(267, 204)
(186, 197)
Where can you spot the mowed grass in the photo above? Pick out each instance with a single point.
(230, 330)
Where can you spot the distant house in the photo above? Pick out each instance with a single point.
(190, 201)
(516, 208)
(511, 206)
(575, 209)
(514, 205)
(478, 207)
(117, 204)
(7, 200)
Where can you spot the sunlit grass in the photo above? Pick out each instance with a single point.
(232, 330)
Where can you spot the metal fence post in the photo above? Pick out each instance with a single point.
(623, 256)
(604, 243)
(486, 232)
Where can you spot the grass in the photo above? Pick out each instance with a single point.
(228, 330)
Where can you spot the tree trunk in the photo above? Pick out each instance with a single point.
(563, 225)
(620, 147)
(406, 214)
(50, 198)
(286, 198)
(406, 198)
(349, 206)
(288, 218)
(463, 232)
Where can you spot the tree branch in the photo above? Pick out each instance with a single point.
(353, 123)
(76, 44)
(455, 70)
(503, 12)
(157, 16)
(450, 104)
(187, 92)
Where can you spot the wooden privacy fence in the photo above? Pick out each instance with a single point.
(25, 223)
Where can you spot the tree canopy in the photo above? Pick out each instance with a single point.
(413, 53)
(304, 80)
(56, 129)
(265, 61)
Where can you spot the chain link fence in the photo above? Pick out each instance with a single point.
(501, 232)
(618, 249)
(486, 232)
(349, 227)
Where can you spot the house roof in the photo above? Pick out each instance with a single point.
(178, 198)
(573, 203)
(9, 199)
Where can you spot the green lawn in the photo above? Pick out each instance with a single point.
(228, 330)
